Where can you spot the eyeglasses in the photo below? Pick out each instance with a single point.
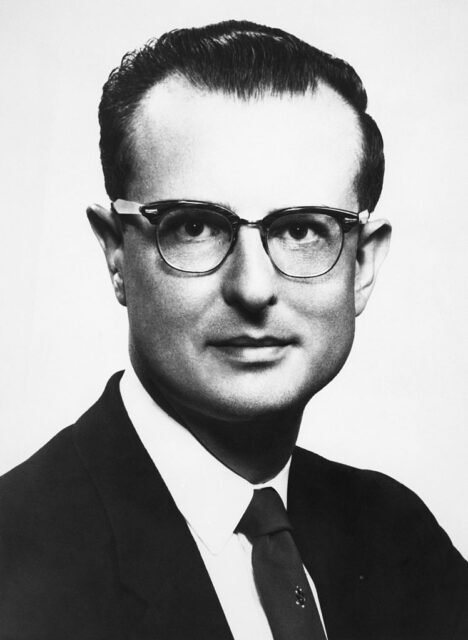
(197, 237)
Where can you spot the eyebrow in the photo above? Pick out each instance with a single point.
(226, 205)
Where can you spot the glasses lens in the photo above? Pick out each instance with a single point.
(194, 239)
(305, 244)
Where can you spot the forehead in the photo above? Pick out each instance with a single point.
(269, 152)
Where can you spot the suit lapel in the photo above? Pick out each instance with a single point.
(324, 532)
(168, 591)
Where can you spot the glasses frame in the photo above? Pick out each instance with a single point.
(154, 211)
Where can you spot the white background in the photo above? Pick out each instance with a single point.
(399, 405)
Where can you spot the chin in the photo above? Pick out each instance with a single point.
(250, 401)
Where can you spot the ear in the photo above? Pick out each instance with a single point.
(373, 245)
(108, 231)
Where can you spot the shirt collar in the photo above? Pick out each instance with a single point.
(210, 496)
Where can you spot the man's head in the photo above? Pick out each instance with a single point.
(255, 120)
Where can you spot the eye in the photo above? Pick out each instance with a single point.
(194, 228)
(297, 229)
(193, 225)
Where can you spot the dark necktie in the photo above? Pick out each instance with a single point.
(277, 567)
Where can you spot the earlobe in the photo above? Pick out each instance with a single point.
(372, 249)
(108, 231)
(119, 288)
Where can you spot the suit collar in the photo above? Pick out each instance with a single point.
(152, 540)
(210, 496)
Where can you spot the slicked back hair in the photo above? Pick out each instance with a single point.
(243, 59)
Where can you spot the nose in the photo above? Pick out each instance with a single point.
(250, 279)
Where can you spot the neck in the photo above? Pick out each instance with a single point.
(256, 448)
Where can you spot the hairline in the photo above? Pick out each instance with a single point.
(127, 146)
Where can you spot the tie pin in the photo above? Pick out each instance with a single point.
(300, 597)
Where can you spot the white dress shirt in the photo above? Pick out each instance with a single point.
(212, 499)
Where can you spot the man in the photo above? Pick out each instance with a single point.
(242, 168)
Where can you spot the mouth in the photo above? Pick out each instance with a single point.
(253, 350)
(252, 342)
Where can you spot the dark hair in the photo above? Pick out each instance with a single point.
(240, 58)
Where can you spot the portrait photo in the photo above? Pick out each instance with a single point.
(163, 226)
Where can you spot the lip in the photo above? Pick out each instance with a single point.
(253, 350)
(251, 342)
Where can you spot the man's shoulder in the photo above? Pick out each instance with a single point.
(48, 499)
(55, 542)
(350, 482)
(362, 494)
(377, 514)
(51, 497)
(61, 465)
(369, 530)
(42, 473)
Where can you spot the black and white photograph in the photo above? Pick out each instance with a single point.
(234, 352)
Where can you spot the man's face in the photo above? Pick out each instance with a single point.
(244, 340)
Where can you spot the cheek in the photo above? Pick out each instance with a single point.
(164, 306)
(326, 308)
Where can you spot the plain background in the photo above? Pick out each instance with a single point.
(399, 405)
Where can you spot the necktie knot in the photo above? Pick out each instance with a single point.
(264, 515)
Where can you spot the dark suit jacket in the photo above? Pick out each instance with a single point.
(92, 547)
